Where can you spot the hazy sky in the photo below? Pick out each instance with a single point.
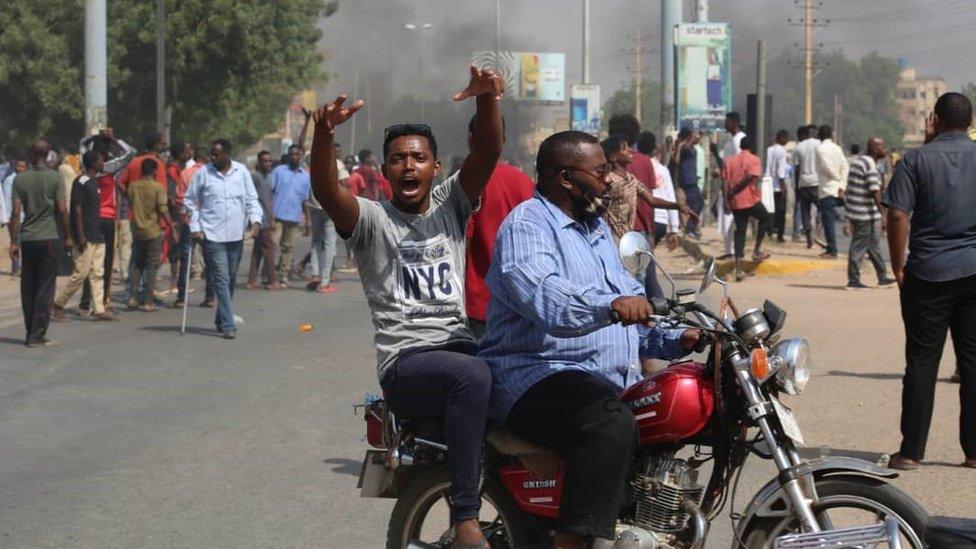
(934, 36)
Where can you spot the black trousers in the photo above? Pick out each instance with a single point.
(929, 310)
(107, 227)
(758, 211)
(38, 278)
(779, 216)
(453, 384)
(807, 197)
(580, 417)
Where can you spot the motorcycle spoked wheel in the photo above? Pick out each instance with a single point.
(851, 493)
(510, 531)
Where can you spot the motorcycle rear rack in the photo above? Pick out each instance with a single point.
(885, 534)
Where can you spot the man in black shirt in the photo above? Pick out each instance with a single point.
(936, 186)
(89, 240)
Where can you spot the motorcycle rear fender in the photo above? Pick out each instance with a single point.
(772, 501)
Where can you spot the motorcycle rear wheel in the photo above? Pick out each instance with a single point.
(852, 493)
(509, 529)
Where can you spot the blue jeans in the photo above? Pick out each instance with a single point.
(323, 246)
(222, 260)
(828, 218)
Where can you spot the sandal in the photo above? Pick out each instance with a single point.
(761, 256)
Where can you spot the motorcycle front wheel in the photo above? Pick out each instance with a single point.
(846, 502)
(422, 514)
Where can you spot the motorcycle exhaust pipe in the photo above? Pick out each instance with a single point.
(699, 522)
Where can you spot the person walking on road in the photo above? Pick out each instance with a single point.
(20, 166)
(89, 241)
(222, 203)
(778, 168)
(863, 204)
(744, 199)
(290, 188)
(808, 182)
(732, 147)
(832, 169)
(39, 194)
(264, 250)
(149, 205)
(934, 191)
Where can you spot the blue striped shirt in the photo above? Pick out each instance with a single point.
(552, 281)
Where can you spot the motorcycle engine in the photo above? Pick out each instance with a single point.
(665, 484)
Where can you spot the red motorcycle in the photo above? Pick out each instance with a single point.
(692, 414)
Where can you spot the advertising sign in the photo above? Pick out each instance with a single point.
(585, 108)
(528, 76)
(703, 79)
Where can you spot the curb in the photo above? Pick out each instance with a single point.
(773, 267)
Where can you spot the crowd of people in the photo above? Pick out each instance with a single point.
(104, 213)
(531, 270)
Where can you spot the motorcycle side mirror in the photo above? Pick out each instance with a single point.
(635, 252)
(709, 277)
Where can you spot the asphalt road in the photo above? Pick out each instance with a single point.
(130, 435)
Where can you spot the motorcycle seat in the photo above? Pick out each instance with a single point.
(507, 443)
(950, 532)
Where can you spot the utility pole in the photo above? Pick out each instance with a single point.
(809, 64)
(670, 17)
(498, 19)
(96, 82)
(838, 120)
(760, 130)
(352, 128)
(701, 11)
(586, 41)
(638, 74)
(162, 120)
(369, 113)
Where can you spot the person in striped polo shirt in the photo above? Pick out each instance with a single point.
(863, 205)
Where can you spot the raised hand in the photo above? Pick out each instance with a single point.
(333, 114)
(483, 82)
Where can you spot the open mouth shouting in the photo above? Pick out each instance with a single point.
(409, 186)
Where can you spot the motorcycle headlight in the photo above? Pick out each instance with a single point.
(794, 371)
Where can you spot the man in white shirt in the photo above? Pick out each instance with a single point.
(807, 180)
(666, 222)
(726, 223)
(777, 167)
(832, 169)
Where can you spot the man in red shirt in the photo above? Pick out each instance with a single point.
(179, 155)
(507, 188)
(744, 199)
(374, 186)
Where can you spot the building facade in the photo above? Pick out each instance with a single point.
(916, 98)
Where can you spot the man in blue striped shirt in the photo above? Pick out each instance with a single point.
(557, 356)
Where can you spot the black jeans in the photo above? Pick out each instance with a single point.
(928, 310)
(779, 216)
(107, 227)
(453, 384)
(758, 211)
(695, 201)
(38, 278)
(580, 417)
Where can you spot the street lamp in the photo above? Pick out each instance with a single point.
(423, 83)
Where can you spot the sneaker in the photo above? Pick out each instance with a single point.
(45, 342)
(178, 304)
(328, 289)
(229, 334)
(856, 286)
(887, 282)
(58, 314)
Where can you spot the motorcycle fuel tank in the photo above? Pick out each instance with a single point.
(673, 404)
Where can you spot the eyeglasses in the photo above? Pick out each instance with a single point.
(406, 129)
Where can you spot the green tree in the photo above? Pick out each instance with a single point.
(232, 66)
(622, 102)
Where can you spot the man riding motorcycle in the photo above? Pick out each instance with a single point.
(410, 254)
(566, 327)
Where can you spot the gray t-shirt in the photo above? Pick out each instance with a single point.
(936, 183)
(412, 269)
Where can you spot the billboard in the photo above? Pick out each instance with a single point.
(529, 76)
(585, 108)
(703, 74)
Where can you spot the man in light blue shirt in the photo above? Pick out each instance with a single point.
(290, 189)
(222, 203)
(8, 203)
(567, 325)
